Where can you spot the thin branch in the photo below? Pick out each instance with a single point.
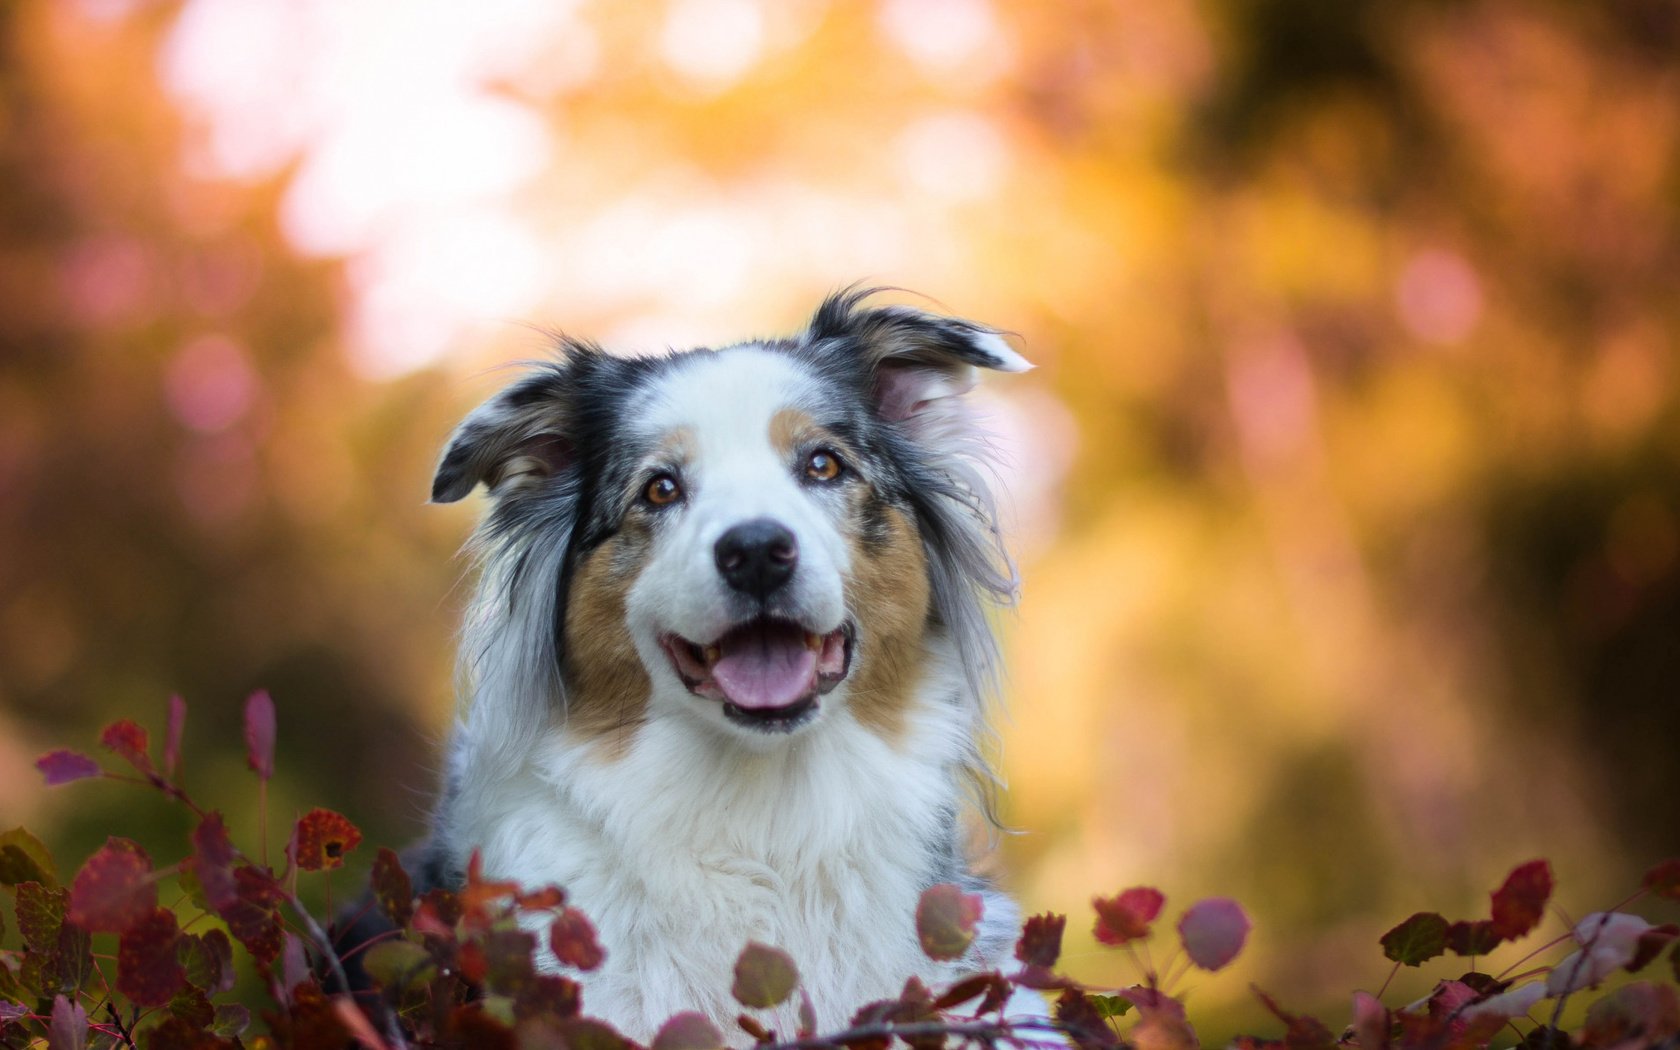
(323, 943)
(987, 1032)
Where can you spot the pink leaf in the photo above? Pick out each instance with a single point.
(1371, 1021)
(172, 736)
(688, 1031)
(61, 767)
(259, 733)
(1213, 932)
(69, 1027)
(946, 918)
(1664, 879)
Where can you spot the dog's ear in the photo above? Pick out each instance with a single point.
(515, 439)
(917, 362)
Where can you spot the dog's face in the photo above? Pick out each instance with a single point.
(747, 531)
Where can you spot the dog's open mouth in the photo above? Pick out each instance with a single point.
(768, 673)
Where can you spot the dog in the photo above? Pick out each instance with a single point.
(725, 669)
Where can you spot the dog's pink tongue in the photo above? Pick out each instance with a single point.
(765, 668)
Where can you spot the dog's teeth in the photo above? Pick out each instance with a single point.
(712, 654)
(812, 640)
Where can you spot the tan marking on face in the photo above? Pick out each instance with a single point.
(677, 446)
(790, 427)
(889, 595)
(609, 687)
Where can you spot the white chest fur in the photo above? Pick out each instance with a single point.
(686, 847)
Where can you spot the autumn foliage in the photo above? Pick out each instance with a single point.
(461, 968)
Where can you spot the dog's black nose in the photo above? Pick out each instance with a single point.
(755, 557)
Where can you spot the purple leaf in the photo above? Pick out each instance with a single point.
(172, 736)
(61, 767)
(1213, 932)
(69, 1027)
(259, 733)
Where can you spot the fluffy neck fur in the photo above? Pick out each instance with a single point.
(687, 846)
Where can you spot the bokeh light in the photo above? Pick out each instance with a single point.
(1347, 491)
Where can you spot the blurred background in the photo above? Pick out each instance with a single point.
(1347, 494)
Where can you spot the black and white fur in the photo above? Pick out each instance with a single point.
(595, 750)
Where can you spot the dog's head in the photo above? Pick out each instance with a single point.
(751, 537)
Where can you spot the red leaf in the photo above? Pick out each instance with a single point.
(1664, 879)
(1301, 1032)
(260, 731)
(392, 887)
(1472, 938)
(130, 741)
(252, 916)
(1417, 940)
(1213, 932)
(178, 1033)
(946, 918)
(479, 894)
(1651, 944)
(1083, 1023)
(688, 1031)
(439, 910)
(69, 1026)
(323, 838)
(971, 988)
(1041, 941)
(572, 937)
(508, 955)
(147, 969)
(61, 767)
(764, 976)
(114, 889)
(548, 996)
(1520, 903)
(545, 899)
(172, 737)
(1127, 917)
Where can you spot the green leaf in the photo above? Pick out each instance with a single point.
(1417, 940)
(764, 976)
(397, 964)
(208, 961)
(23, 858)
(40, 915)
(1108, 1006)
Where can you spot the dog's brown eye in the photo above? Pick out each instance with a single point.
(822, 465)
(662, 491)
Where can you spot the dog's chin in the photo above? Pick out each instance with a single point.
(768, 675)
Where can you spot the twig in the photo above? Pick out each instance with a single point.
(323, 943)
(987, 1032)
(116, 1019)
